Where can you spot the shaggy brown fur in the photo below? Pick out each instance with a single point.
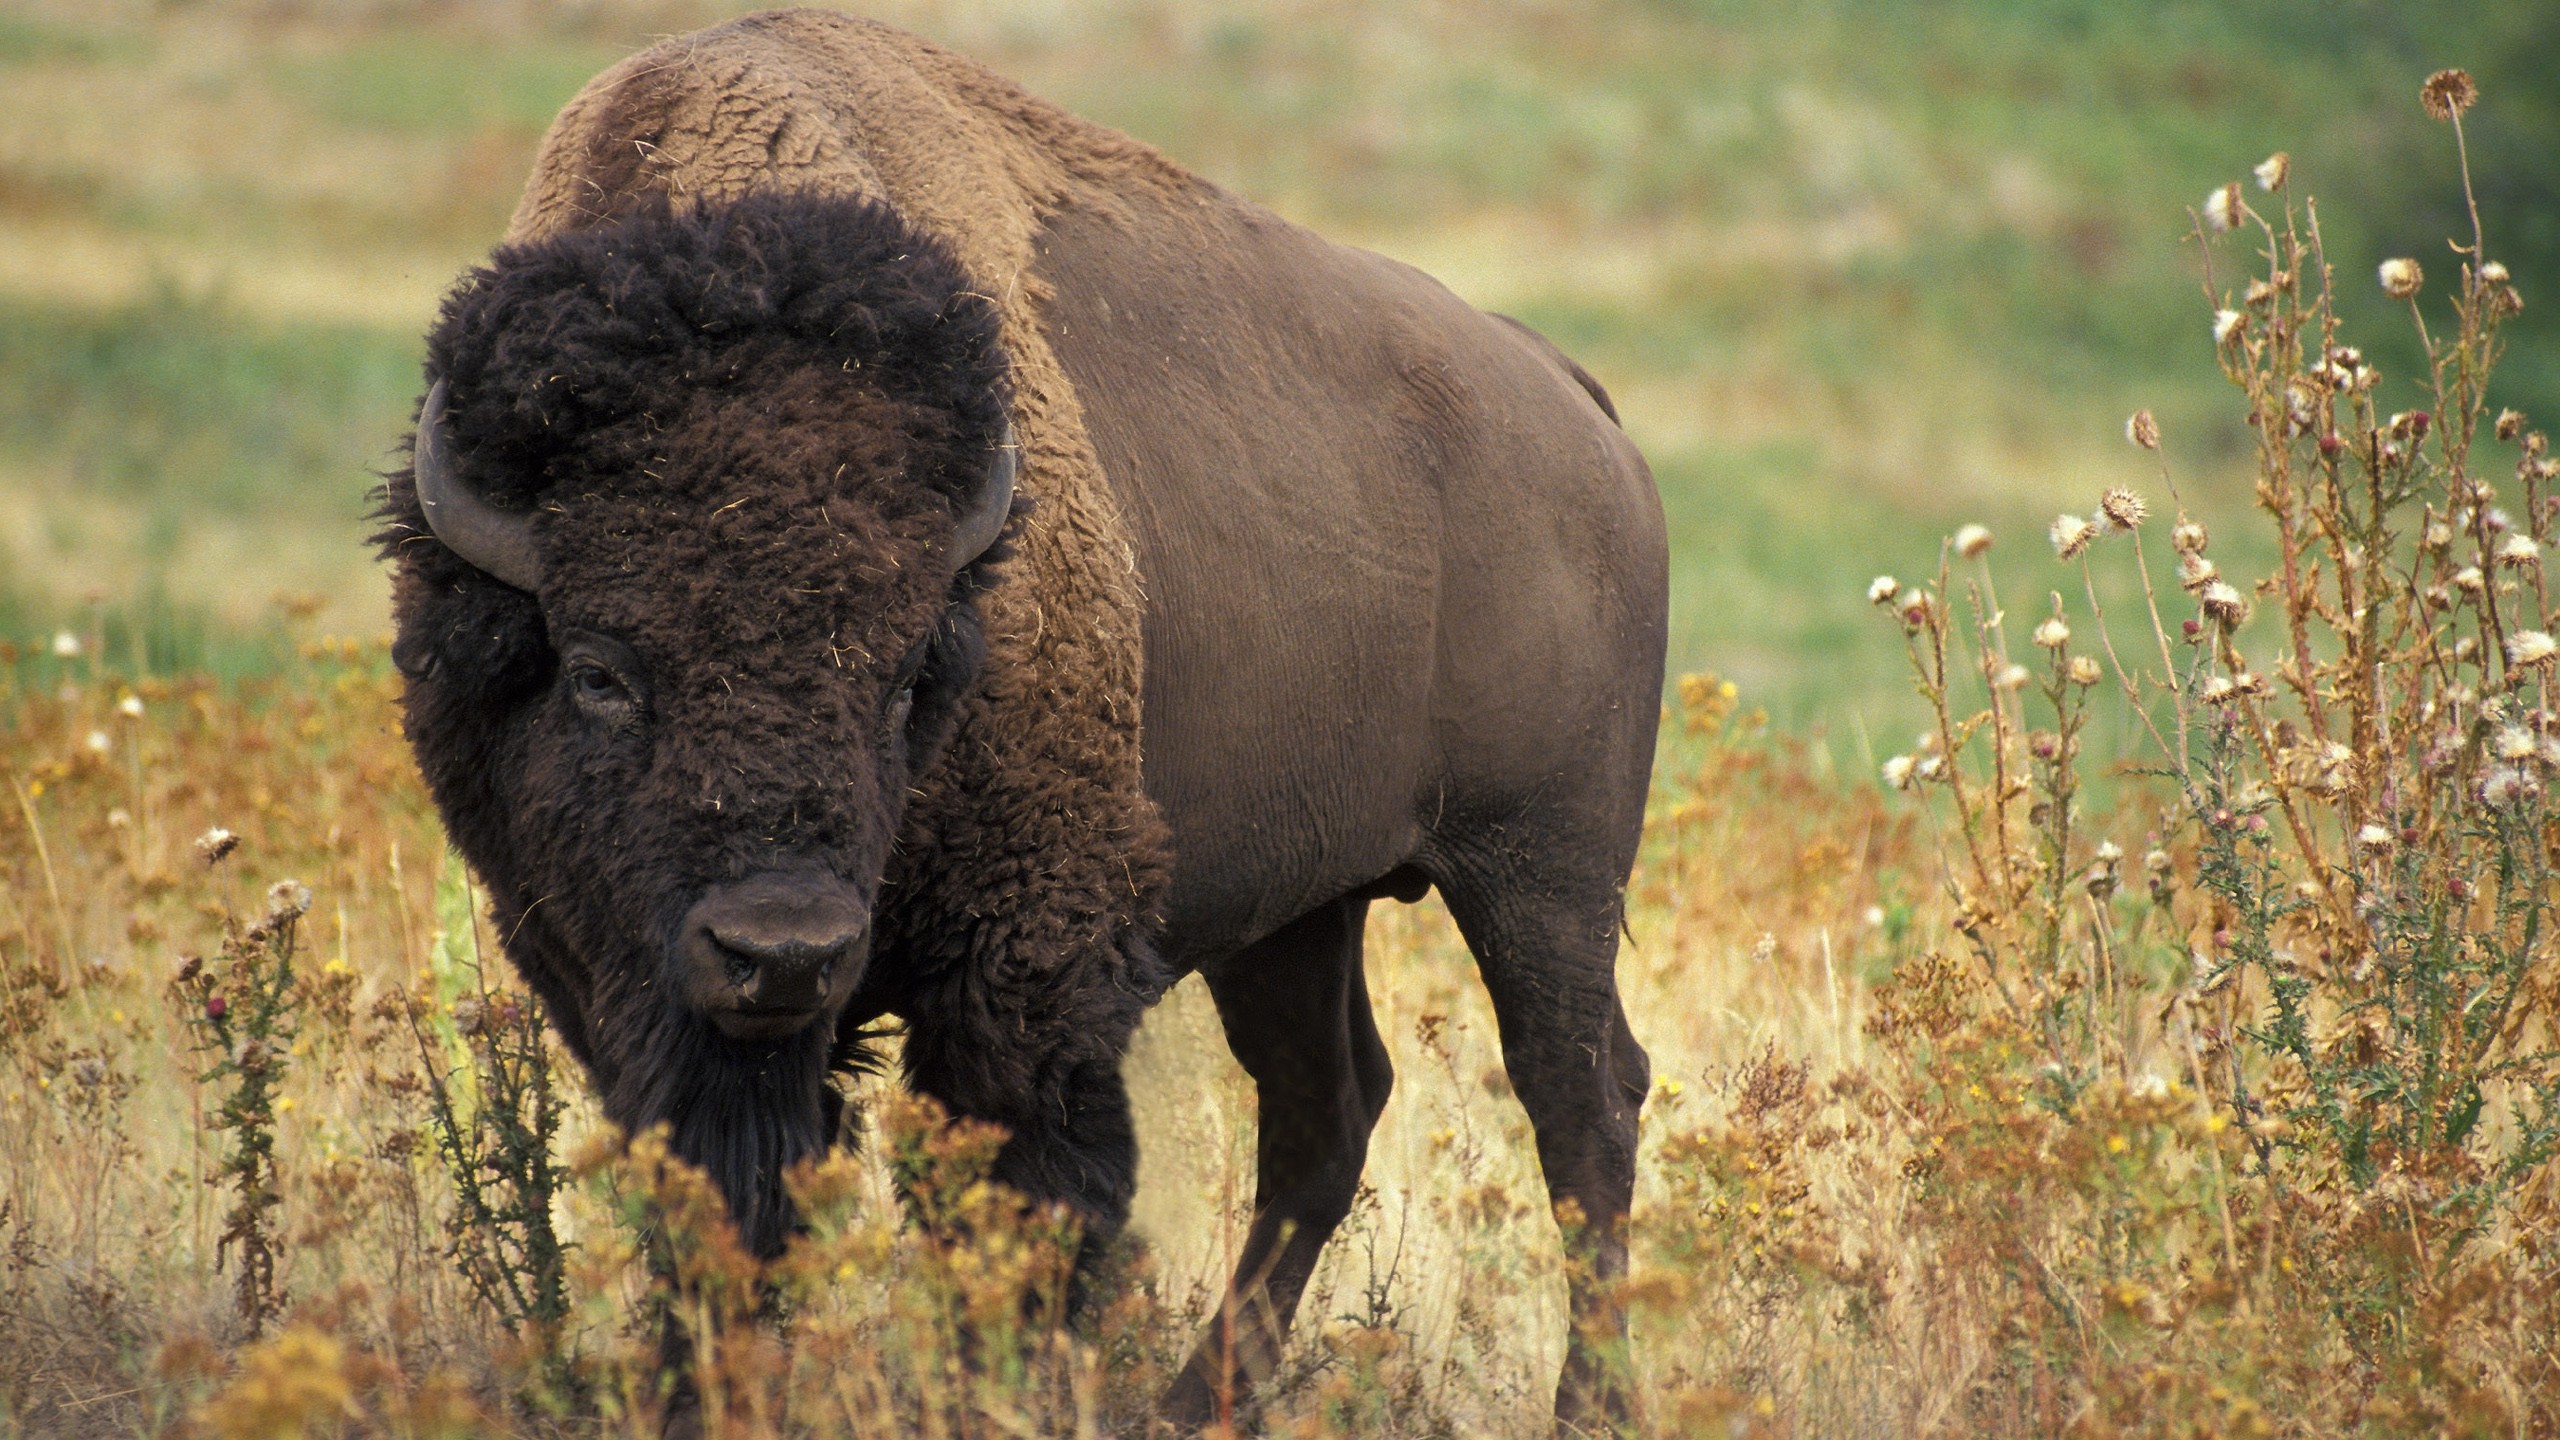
(1054, 801)
(606, 378)
(803, 100)
(1329, 588)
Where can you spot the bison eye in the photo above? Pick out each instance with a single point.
(597, 687)
(602, 675)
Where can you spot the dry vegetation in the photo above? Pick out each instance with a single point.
(2223, 1102)
(238, 1093)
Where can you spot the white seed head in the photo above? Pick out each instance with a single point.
(2071, 535)
(2188, 537)
(2469, 578)
(1897, 772)
(1914, 609)
(65, 644)
(1882, 589)
(2011, 677)
(2226, 323)
(2223, 604)
(287, 900)
(2519, 549)
(216, 843)
(2510, 424)
(1972, 540)
(2104, 874)
(1930, 767)
(2053, 634)
(2493, 274)
(2223, 208)
(2373, 838)
(2507, 785)
(2123, 508)
(2272, 170)
(2400, 277)
(130, 707)
(2216, 689)
(2196, 572)
(2084, 670)
(2531, 647)
(2515, 743)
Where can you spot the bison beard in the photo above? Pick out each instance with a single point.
(744, 1113)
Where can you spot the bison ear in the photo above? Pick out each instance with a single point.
(497, 541)
(983, 519)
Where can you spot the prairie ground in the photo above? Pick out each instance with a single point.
(1856, 278)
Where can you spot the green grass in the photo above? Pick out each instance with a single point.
(1859, 272)
(26, 40)
(177, 403)
(441, 85)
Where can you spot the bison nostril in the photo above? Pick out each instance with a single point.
(767, 951)
(779, 972)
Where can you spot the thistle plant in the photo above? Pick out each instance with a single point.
(2342, 941)
(494, 1110)
(240, 1010)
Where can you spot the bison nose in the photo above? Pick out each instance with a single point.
(763, 957)
(778, 974)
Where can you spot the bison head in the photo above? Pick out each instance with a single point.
(698, 507)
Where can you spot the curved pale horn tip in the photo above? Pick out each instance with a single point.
(495, 540)
(984, 520)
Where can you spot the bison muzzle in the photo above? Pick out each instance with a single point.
(876, 545)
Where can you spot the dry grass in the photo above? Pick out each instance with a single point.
(119, 1318)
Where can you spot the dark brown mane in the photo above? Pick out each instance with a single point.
(583, 330)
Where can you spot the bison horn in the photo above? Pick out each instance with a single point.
(497, 541)
(984, 520)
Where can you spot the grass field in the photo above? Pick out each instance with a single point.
(1856, 273)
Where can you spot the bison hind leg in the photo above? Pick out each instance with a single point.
(1544, 930)
(1296, 1011)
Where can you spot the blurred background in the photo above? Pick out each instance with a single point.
(1857, 271)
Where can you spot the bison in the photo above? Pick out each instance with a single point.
(877, 545)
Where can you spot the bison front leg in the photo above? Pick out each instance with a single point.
(1045, 1065)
